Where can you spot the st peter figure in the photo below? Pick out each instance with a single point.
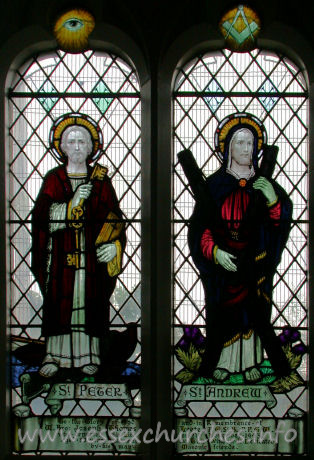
(77, 246)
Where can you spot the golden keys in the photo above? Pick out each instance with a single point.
(99, 172)
(77, 213)
(73, 260)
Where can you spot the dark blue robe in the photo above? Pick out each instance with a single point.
(237, 302)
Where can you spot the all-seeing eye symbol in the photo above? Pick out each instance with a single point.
(72, 30)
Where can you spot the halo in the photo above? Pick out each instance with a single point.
(243, 120)
(75, 119)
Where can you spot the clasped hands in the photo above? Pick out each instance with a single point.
(224, 258)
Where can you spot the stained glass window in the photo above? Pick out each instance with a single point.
(270, 89)
(240, 28)
(74, 409)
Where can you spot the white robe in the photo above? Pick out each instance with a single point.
(76, 349)
(242, 354)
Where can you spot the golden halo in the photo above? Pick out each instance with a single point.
(72, 30)
(230, 122)
(75, 119)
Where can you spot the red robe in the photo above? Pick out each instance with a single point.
(57, 285)
(233, 213)
(237, 220)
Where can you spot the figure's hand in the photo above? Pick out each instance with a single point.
(225, 260)
(82, 192)
(106, 252)
(266, 188)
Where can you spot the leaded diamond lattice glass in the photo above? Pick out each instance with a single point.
(213, 102)
(105, 88)
(273, 89)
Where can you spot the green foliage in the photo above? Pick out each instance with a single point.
(294, 360)
(285, 384)
(267, 380)
(191, 360)
(266, 370)
(88, 379)
(204, 381)
(185, 376)
(235, 379)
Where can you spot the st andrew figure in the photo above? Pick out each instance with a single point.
(236, 237)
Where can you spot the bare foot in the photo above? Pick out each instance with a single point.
(90, 369)
(220, 374)
(48, 370)
(252, 375)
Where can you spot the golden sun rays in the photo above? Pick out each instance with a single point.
(72, 30)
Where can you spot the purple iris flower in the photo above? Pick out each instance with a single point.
(192, 335)
(289, 335)
(299, 349)
(292, 335)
